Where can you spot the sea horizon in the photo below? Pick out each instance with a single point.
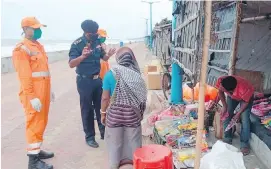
(7, 45)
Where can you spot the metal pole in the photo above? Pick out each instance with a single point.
(177, 72)
(201, 110)
(150, 3)
(147, 27)
(150, 25)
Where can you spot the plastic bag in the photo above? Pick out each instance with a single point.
(222, 156)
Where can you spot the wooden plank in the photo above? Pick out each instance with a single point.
(218, 69)
(219, 51)
(193, 17)
(224, 31)
(185, 50)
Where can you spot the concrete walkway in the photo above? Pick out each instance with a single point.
(64, 135)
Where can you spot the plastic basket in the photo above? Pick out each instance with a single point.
(157, 138)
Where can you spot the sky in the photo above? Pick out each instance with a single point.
(121, 18)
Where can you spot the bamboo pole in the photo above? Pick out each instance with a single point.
(236, 39)
(206, 42)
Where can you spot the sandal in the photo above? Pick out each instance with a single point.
(245, 151)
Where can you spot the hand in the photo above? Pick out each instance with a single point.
(86, 51)
(223, 110)
(236, 117)
(52, 98)
(103, 46)
(111, 52)
(103, 119)
(36, 104)
(210, 105)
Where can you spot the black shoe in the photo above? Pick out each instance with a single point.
(36, 163)
(92, 143)
(45, 155)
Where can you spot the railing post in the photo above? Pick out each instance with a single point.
(150, 26)
(177, 72)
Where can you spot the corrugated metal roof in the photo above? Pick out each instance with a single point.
(254, 47)
(254, 54)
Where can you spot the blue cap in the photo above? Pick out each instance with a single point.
(90, 26)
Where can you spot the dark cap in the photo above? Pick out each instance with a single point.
(90, 26)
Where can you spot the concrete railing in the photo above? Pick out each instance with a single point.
(7, 65)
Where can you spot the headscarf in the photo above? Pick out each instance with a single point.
(125, 57)
(130, 88)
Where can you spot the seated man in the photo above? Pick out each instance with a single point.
(241, 91)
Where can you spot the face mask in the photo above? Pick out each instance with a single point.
(93, 37)
(37, 34)
(102, 40)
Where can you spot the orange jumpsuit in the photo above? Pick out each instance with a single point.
(31, 64)
(104, 64)
(104, 68)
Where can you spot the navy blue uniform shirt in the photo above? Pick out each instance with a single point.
(91, 65)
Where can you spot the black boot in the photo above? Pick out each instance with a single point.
(92, 143)
(36, 163)
(45, 155)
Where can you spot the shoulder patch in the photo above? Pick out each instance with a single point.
(76, 42)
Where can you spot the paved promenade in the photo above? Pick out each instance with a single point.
(64, 135)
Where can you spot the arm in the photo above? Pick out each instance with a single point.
(105, 56)
(75, 62)
(243, 107)
(76, 57)
(105, 100)
(246, 99)
(222, 97)
(21, 62)
(106, 92)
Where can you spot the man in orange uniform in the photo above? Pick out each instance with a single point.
(104, 64)
(31, 64)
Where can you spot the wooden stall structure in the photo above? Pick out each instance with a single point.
(187, 36)
(162, 42)
(240, 40)
(240, 43)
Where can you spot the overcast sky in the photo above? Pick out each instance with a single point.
(121, 18)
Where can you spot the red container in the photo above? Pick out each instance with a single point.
(153, 156)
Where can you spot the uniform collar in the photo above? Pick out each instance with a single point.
(31, 42)
(84, 39)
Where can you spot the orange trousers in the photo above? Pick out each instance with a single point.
(36, 122)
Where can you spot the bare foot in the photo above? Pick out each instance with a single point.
(245, 151)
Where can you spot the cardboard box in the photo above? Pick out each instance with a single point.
(149, 69)
(157, 62)
(153, 81)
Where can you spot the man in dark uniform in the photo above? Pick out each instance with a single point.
(85, 55)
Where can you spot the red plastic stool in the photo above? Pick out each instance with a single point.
(153, 156)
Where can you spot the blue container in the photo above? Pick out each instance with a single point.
(121, 43)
